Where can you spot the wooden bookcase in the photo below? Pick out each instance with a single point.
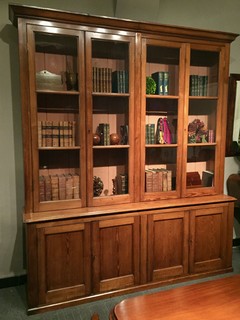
(114, 204)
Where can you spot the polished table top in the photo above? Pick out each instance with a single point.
(214, 300)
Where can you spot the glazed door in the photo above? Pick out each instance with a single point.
(57, 117)
(110, 118)
(161, 118)
(205, 121)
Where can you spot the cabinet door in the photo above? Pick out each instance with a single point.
(110, 118)
(57, 117)
(205, 123)
(63, 261)
(209, 236)
(167, 245)
(115, 254)
(162, 113)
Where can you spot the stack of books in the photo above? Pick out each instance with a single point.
(56, 133)
(158, 180)
(120, 81)
(102, 79)
(58, 187)
(104, 133)
(162, 82)
(121, 184)
(198, 85)
(150, 133)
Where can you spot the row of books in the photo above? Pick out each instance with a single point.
(157, 180)
(102, 79)
(120, 184)
(120, 81)
(106, 80)
(198, 85)
(162, 82)
(104, 133)
(58, 187)
(150, 134)
(56, 133)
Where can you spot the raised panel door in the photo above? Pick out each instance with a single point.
(167, 245)
(115, 254)
(64, 267)
(208, 238)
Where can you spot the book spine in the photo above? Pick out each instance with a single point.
(75, 186)
(55, 134)
(39, 134)
(148, 181)
(166, 83)
(62, 186)
(65, 134)
(61, 134)
(54, 187)
(69, 186)
(48, 133)
(41, 189)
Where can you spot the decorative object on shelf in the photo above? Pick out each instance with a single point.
(71, 80)
(97, 186)
(96, 139)
(197, 133)
(46, 80)
(163, 134)
(150, 86)
(114, 138)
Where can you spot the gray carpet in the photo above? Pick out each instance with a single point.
(13, 301)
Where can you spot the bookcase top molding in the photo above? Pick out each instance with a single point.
(32, 12)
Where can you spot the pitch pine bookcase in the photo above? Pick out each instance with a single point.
(113, 204)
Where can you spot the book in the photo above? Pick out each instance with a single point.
(54, 187)
(193, 179)
(158, 77)
(75, 186)
(148, 180)
(120, 81)
(124, 134)
(165, 83)
(121, 184)
(207, 178)
(55, 134)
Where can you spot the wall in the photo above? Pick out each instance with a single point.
(217, 15)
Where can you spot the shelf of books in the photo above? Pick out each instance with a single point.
(202, 119)
(110, 101)
(161, 110)
(58, 118)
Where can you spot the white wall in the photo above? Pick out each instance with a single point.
(216, 15)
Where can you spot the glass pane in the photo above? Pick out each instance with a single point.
(57, 116)
(200, 166)
(110, 66)
(160, 169)
(204, 73)
(163, 67)
(162, 88)
(110, 117)
(56, 62)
